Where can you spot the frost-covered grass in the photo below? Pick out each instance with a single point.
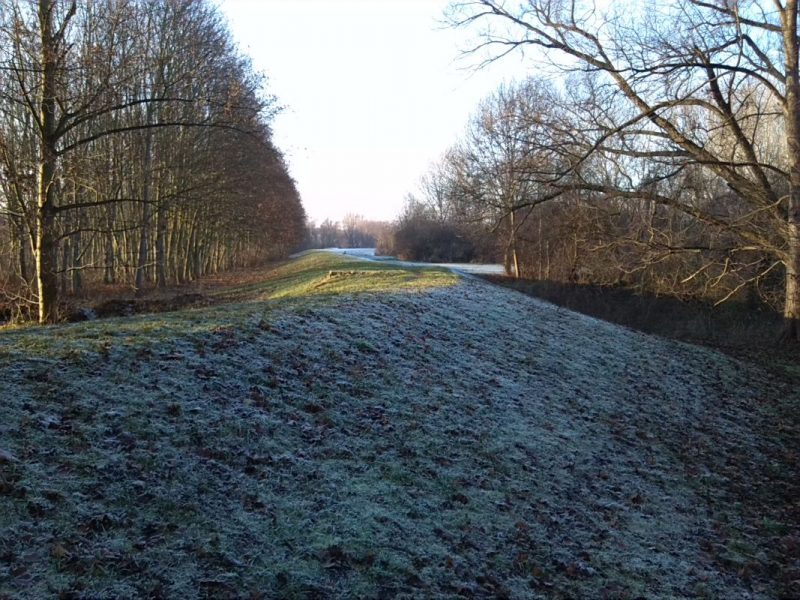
(348, 429)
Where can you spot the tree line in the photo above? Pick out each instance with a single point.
(658, 146)
(353, 231)
(135, 149)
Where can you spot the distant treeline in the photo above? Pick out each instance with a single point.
(135, 149)
(353, 231)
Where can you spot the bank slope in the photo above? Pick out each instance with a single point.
(378, 433)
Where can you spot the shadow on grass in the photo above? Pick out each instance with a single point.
(731, 325)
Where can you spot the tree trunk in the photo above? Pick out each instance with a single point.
(547, 260)
(161, 237)
(791, 308)
(20, 241)
(64, 266)
(174, 246)
(110, 272)
(144, 240)
(77, 262)
(46, 246)
(46, 250)
(541, 250)
(512, 243)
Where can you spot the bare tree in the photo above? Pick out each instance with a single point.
(688, 73)
(131, 134)
(507, 157)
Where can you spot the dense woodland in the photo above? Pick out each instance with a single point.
(658, 148)
(135, 149)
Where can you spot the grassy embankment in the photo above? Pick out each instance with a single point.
(308, 438)
(131, 449)
(312, 278)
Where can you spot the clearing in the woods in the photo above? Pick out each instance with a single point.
(354, 429)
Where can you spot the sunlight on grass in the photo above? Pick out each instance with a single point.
(314, 277)
(326, 274)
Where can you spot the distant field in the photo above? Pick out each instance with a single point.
(347, 429)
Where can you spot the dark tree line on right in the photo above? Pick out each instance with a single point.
(665, 156)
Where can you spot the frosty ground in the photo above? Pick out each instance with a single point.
(352, 429)
(460, 268)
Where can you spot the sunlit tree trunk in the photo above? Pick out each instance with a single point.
(791, 310)
(46, 246)
(147, 179)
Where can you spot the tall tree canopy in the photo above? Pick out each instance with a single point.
(134, 143)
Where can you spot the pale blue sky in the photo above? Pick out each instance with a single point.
(374, 91)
